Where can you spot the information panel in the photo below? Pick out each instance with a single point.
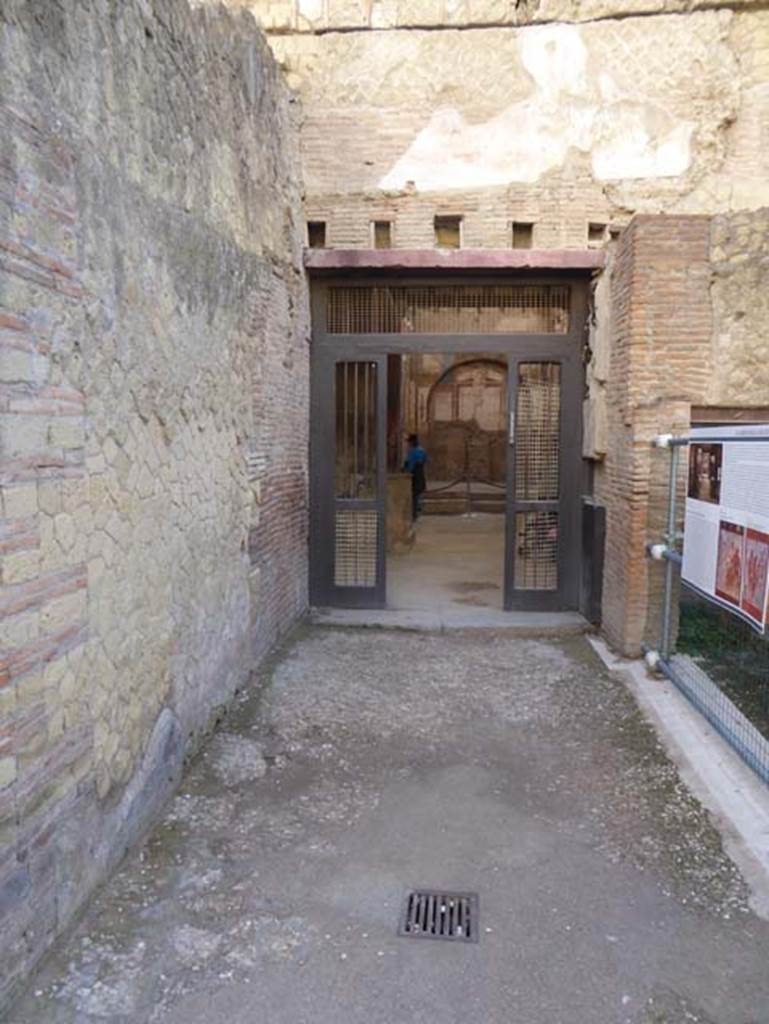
(726, 535)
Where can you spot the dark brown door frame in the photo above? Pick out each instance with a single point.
(328, 349)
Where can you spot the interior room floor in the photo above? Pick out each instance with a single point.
(456, 562)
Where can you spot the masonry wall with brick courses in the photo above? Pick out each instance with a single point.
(660, 365)
(330, 15)
(739, 293)
(503, 112)
(153, 419)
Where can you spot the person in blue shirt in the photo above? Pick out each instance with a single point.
(416, 459)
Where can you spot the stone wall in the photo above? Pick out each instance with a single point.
(557, 114)
(739, 292)
(336, 15)
(153, 419)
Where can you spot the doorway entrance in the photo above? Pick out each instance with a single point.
(452, 554)
(491, 375)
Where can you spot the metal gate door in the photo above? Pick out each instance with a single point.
(348, 467)
(542, 547)
(538, 327)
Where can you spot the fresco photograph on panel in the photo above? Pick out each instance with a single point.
(705, 472)
(729, 566)
(756, 575)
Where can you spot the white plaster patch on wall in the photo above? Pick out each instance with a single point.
(312, 9)
(569, 108)
(626, 143)
(556, 58)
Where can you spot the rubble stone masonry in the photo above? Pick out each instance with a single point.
(739, 291)
(556, 113)
(153, 419)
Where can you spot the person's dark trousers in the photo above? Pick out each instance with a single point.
(417, 487)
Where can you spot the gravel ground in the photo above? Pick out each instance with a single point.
(362, 763)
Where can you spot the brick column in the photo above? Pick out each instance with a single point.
(661, 330)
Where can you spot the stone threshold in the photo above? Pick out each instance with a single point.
(529, 624)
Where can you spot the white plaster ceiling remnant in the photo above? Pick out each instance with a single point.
(626, 137)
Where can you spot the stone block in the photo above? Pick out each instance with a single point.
(62, 611)
(19, 629)
(19, 500)
(64, 531)
(7, 771)
(50, 496)
(22, 435)
(19, 566)
(16, 365)
(595, 427)
(66, 433)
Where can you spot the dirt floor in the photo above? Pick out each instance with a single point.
(366, 762)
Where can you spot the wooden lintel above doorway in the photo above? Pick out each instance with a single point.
(318, 261)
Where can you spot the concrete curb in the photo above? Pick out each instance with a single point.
(737, 799)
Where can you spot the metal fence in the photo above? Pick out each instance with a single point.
(716, 659)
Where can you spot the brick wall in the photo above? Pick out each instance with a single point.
(153, 420)
(660, 365)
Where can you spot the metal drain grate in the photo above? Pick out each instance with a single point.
(440, 915)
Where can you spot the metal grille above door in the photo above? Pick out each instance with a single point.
(448, 309)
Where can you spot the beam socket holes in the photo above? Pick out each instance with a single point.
(523, 234)
(316, 234)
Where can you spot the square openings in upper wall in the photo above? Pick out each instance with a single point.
(523, 234)
(316, 234)
(597, 233)
(448, 231)
(382, 234)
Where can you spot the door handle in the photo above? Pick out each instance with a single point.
(511, 433)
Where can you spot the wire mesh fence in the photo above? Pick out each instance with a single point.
(722, 665)
(716, 657)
